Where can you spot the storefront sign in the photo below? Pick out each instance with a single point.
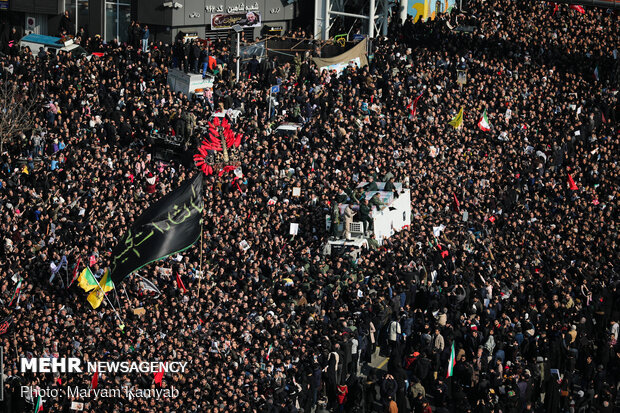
(4, 5)
(241, 7)
(225, 21)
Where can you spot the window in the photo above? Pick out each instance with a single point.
(117, 20)
(79, 12)
(71, 7)
(110, 21)
(83, 14)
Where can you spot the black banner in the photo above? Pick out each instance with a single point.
(6, 324)
(170, 225)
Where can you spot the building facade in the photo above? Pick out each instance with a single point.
(195, 17)
(111, 18)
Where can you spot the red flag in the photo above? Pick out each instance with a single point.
(180, 284)
(555, 6)
(413, 106)
(457, 203)
(95, 380)
(159, 376)
(225, 169)
(578, 8)
(571, 183)
(76, 272)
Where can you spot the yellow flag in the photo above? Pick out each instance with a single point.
(106, 283)
(457, 121)
(95, 298)
(86, 280)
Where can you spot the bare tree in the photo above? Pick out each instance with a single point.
(18, 106)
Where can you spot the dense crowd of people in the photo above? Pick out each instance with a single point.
(511, 259)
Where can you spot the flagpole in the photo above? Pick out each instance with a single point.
(116, 294)
(126, 295)
(269, 110)
(109, 302)
(15, 345)
(111, 305)
(201, 270)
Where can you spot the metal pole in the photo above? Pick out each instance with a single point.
(371, 22)
(341, 13)
(316, 18)
(386, 7)
(201, 270)
(15, 345)
(238, 55)
(2, 373)
(118, 13)
(326, 11)
(404, 4)
(269, 112)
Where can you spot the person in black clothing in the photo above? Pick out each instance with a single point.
(532, 267)
(66, 26)
(253, 66)
(130, 33)
(136, 36)
(194, 56)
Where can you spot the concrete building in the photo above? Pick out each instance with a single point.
(111, 18)
(201, 18)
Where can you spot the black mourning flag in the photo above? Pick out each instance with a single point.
(5, 325)
(170, 225)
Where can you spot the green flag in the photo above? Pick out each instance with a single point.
(38, 407)
(17, 293)
(452, 362)
(87, 280)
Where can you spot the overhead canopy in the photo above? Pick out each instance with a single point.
(353, 56)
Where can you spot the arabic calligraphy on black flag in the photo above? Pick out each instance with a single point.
(170, 225)
(6, 324)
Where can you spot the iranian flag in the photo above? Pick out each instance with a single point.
(412, 107)
(484, 123)
(38, 407)
(452, 362)
(18, 292)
